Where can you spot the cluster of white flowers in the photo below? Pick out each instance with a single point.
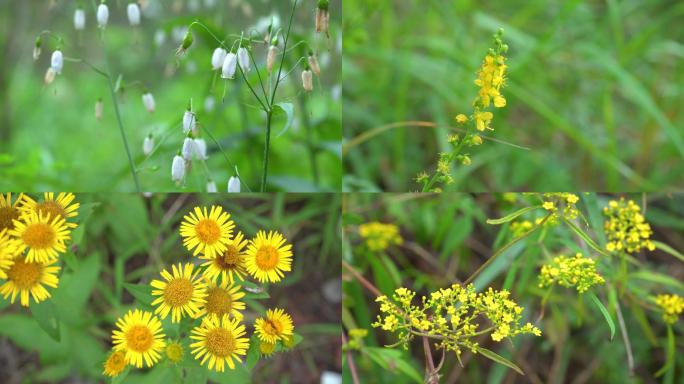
(132, 11)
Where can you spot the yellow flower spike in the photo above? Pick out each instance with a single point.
(182, 293)
(268, 256)
(230, 264)
(219, 342)
(44, 237)
(140, 336)
(115, 364)
(63, 206)
(207, 232)
(222, 299)
(10, 211)
(29, 278)
(275, 326)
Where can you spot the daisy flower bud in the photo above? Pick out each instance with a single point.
(217, 58)
(270, 59)
(102, 15)
(201, 149)
(322, 17)
(178, 169)
(49, 76)
(307, 80)
(234, 185)
(188, 121)
(148, 145)
(133, 12)
(188, 148)
(57, 61)
(185, 45)
(211, 187)
(148, 101)
(36, 48)
(243, 59)
(229, 66)
(313, 63)
(99, 107)
(79, 19)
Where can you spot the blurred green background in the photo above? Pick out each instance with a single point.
(50, 139)
(446, 239)
(594, 89)
(125, 239)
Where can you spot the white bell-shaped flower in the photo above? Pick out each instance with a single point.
(211, 187)
(148, 145)
(133, 11)
(102, 15)
(313, 63)
(148, 101)
(217, 58)
(307, 80)
(178, 169)
(79, 19)
(229, 66)
(188, 121)
(49, 76)
(188, 148)
(57, 61)
(243, 59)
(201, 149)
(234, 185)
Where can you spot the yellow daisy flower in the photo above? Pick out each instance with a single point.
(268, 257)
(266, 349)
(229, 264)
(62, 206)
(276, 326)
(182, 293)
(219, 341)
(115, 364)
(8, 211)
(140, 336)
(222, 299)
(207, 233)
(28, 277)
(8, 251)
(174, 352)
(44, 237)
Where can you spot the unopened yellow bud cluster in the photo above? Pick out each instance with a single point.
(626, 228)
(379, 236)
(672, 306)
(455, 316)
(579, 272)
(356, 336)
(561, 204)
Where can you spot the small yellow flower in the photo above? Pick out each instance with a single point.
(10, 211)
(222, 299)
(266, 348)
(174, 352)
(268, 256)
(44, 237)
(8, 251)
(672, 306)
(229, 264)
(549, 206)
(219, 342)
(626, 228)
(461, 118)
(63, 206)
(26, 278)
(140, 336)
(579, 272)
(115, 364)
(275, 326)
(482, 119)
(379, 236)
(207, 233)
(180, 294)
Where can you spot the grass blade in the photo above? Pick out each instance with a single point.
(605, 313)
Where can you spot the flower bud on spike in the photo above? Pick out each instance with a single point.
(307, 80)
(185, 45)
(322, 17)
(313, 63)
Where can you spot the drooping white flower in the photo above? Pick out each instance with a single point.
(307, 80)
(57, 61)
(148, 101)
(188, 148)
(270, 58)
(229, 66)
(99, 107)
(49, 76)
(102, 15)
(201, 149)
(178, 169)
(211, 187)
(313, 63)
(79, 19)
(148, 145)
(243, 59)
(188, 121)
(323, 17)
(217, 58)
(133, 11)
(209, 103)
(233, 185)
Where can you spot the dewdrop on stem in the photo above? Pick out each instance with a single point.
(133, 12)
(234, 185)
(178, 169)
(323, 17)
(313, 63)
(102, 15)
(188, 148)
(79, 19)
(99, 107)
(148, 101)
(307, 80)
(57, 61)
(243, 59)
(217, 58)
(229, 66)
(211, 187)
(148, 145)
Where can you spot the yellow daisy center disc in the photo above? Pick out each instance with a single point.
(208, 231)
(273, 327)
(219, 301)
(220, 342)
(230, 258)
(25, 275)
(178, 292)
(267, 257)
(174, 352)
(7, 214)
(139, 338)
(50, 208)
(39, 236)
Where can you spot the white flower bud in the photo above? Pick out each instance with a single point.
(217, 58)
(243, 59)
(307, 80)
(270, 59)
(201, 149)
(188, 121)
(211, 187)
(133, 12)
(102, 15)
(148, 145)
(233, 185)
(49, 76)
(99, 107)
(57, 61)
(188, 148)
(229, 66)
(79, 19)
(313, 63)
(178, 169)
(36, 52)
(148, 101)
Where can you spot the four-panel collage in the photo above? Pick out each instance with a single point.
(367, 192)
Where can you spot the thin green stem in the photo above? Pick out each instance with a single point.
(452, 155)
(282, 59)
(256, 68)
(267, 145)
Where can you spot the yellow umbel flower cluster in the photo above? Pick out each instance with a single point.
(579, 272)
(452, 316)
(379, 236)
(672, 306)
(33, 235)
(208, 296)
(626, 228)
(561, 204)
